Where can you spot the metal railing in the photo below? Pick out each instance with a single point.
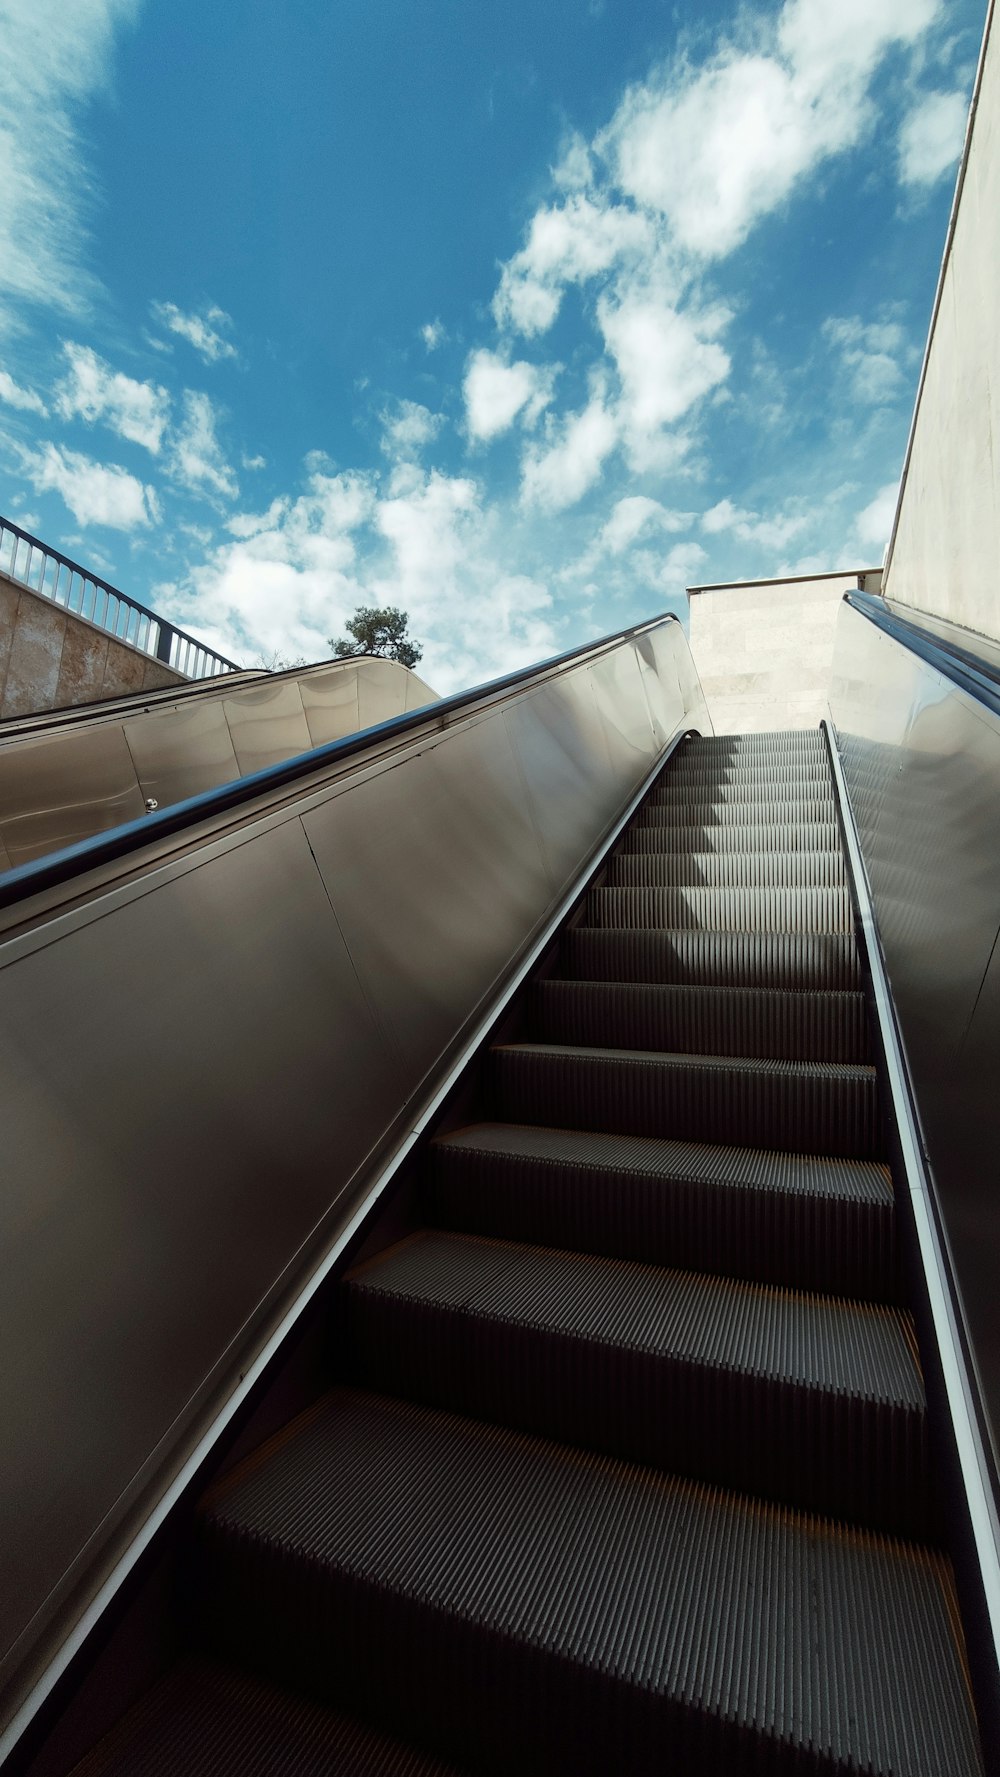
(48, 572)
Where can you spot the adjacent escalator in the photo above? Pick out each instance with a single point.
(625, 1463)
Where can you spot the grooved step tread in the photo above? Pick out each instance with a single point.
(713, 869)
(676, 793)
(658, 833)
(209, 1720)
(703, 1376)
(587, 1614)
(729, 909)
(752, 1022)
(810, 811)
(789, 960)
(803, 1107)
(791, 1219)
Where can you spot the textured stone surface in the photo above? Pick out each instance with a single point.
(51, 658)
(35, 653)
(765, 653)
(947, 545)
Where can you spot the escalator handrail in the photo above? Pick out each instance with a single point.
(979, 678)
(41, 874)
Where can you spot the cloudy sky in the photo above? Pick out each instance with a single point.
(520, 317)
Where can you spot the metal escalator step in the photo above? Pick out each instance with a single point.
(735, 959)
(209, 1720)
(816, 798)
(703, 1376)
(709, 869)
(541, 1609)
(801, 1107)
(724, 909)
(790, 1219)
(779, 741)
(720, 813)
(757, 1022)
(658, 833)
(690, 772)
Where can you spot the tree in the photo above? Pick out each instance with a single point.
(378, 632)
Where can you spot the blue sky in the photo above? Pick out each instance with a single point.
(522, 318)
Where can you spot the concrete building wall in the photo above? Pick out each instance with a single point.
(945, 553)
(52, 659)
(764, 650)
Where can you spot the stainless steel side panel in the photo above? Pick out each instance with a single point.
(65, 783)
(204, 1063)
(43, 806)
(922, 762)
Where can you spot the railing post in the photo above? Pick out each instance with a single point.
(164, 641)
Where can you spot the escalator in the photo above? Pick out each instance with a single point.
(621, 1459)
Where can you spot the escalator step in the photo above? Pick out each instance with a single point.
(656, 832)
(691, 772)
(708, 869)
(825, 960)
(779, 743)
(702, 1020)
(790, 1219)
(802, 1107)
(546, 1610)
(209, 1720)
(723, 909)
(679, 793)
(805, 1399)
(808, 812)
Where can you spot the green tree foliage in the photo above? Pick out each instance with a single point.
(378, 632)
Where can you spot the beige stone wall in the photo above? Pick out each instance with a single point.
(51, 659)
(945, 554)
(764, 653)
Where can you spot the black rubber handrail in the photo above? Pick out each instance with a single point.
(979, 678)
(103, 848)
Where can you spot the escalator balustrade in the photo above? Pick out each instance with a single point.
(627, 1467)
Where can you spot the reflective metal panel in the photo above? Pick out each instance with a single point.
(180, 752)
(330, 702)
(623, 707)
(198, 1062)
(435, 872)
(266, 724)
(185, 1087)
(380, 692)
(560, 742)
(43, 808)
(922, 761)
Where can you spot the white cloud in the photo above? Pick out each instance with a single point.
(407, 427)
(496, 392)
(93, 391)
(196, 459)
(773, 534)
(634, 515)
(294, 574)
(714, 149)
(574, 170)
(55, 57)
(16, 395)
(205, 331)
(666, 361)
(568, 243)
(874, 525)
(433, 335)
(559, 474)
(870, 354)
(254, 462)
(931, 138)
(96, 493)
